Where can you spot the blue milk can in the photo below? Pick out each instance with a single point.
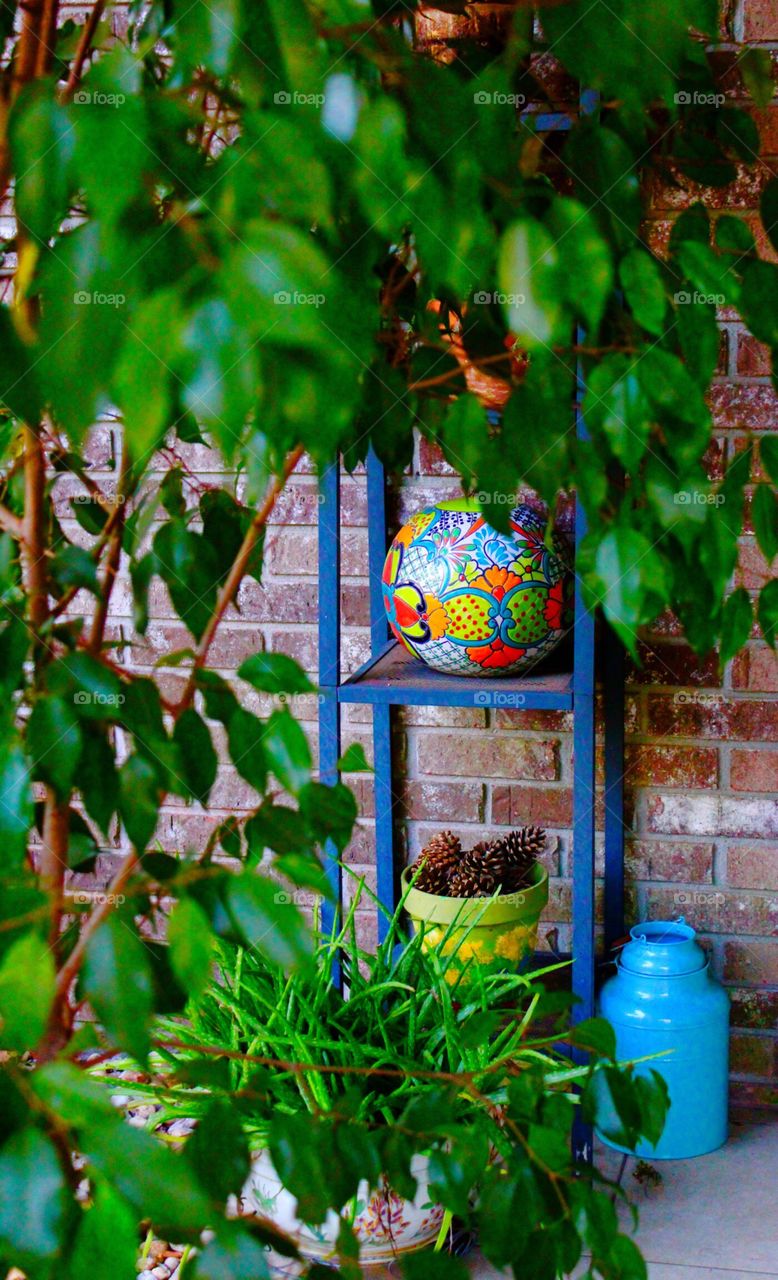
(664, 997)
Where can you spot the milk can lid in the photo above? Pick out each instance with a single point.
(662, 948)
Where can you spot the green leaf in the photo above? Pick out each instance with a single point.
(330, 812)
(768, 456)
(616, 405)
(764, 513)
(26, 992)
(218, 1150)
(644, 289)
(208, 36)
(734, 234)
(596, 1035)
(287, 751)
(585, 273)
(142, 381)
(709, 272)
(756, 68)
(767, 612)
(625, 568)
(455, 1170)
(231, 1255)
(433, 1266)
(191, 946)
(95, 692)
(757, 304)
(19, 383)
(699, 337)
(669, 386)
(42, 145)
(220, 375)
(246, 736)
(33, 1198)
(768, 202)
(274, 826)
(190, 569)
(353, 760)
(16, 808)
(154, 1182)
(301, 1163)
(54, 741)
(117, 980)
(106, 1240)
(198, 755)
(75, 567)
(97, 778)
(139, 797)
(267, 919)
(528, 273)
(606, 173)
(275, 673)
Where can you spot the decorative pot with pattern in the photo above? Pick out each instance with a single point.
(474, 602)
(385, 1224)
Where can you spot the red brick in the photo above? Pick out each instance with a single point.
(712, 716)
(673, 664)
(444, 802)
(760, 20)
(756, 1009)
(714, 910)
(756, 668)
(544, 721)
(292, 552)
(670, 860)
(754, 770)
(532, 806)
(752, 569)
(744, 408)
(752, 1055)
(671, 766)
(711, 814)
(743, 193)
(492, 757)
(442, 717)
(754, 961)
(753, 358)
(431, 460)
(753, 866)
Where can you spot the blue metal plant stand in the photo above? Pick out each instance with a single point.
(392, 677)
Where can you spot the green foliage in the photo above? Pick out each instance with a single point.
(232, 226)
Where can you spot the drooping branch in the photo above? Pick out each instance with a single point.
(237, 573)
(83, 50)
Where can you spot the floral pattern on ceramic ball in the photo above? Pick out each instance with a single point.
(471, 601)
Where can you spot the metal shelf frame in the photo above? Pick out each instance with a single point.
(392, 677)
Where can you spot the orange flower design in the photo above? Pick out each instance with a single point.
(496, 654)
(436, 617)
(497, 581)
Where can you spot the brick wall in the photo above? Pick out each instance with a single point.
(702, 767)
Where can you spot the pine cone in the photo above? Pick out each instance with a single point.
(437, 861)
(511, 859)
(473, 878)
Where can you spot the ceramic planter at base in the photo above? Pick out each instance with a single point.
(385, 1224)
(501, 932)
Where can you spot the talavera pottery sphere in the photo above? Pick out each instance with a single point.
(471, 601)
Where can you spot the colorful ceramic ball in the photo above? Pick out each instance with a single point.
(471, 601)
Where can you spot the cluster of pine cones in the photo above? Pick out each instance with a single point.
(506, 864)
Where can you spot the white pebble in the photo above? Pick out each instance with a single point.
(161, 1273)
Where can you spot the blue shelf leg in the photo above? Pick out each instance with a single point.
(382, 722)
(329, 662)
(613, 687)
(583, 843)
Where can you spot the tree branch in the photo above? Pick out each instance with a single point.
(236, 574)
(83, 49)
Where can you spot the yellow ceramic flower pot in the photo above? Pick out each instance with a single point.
(498, 933)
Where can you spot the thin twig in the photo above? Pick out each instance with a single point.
(83, 49)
